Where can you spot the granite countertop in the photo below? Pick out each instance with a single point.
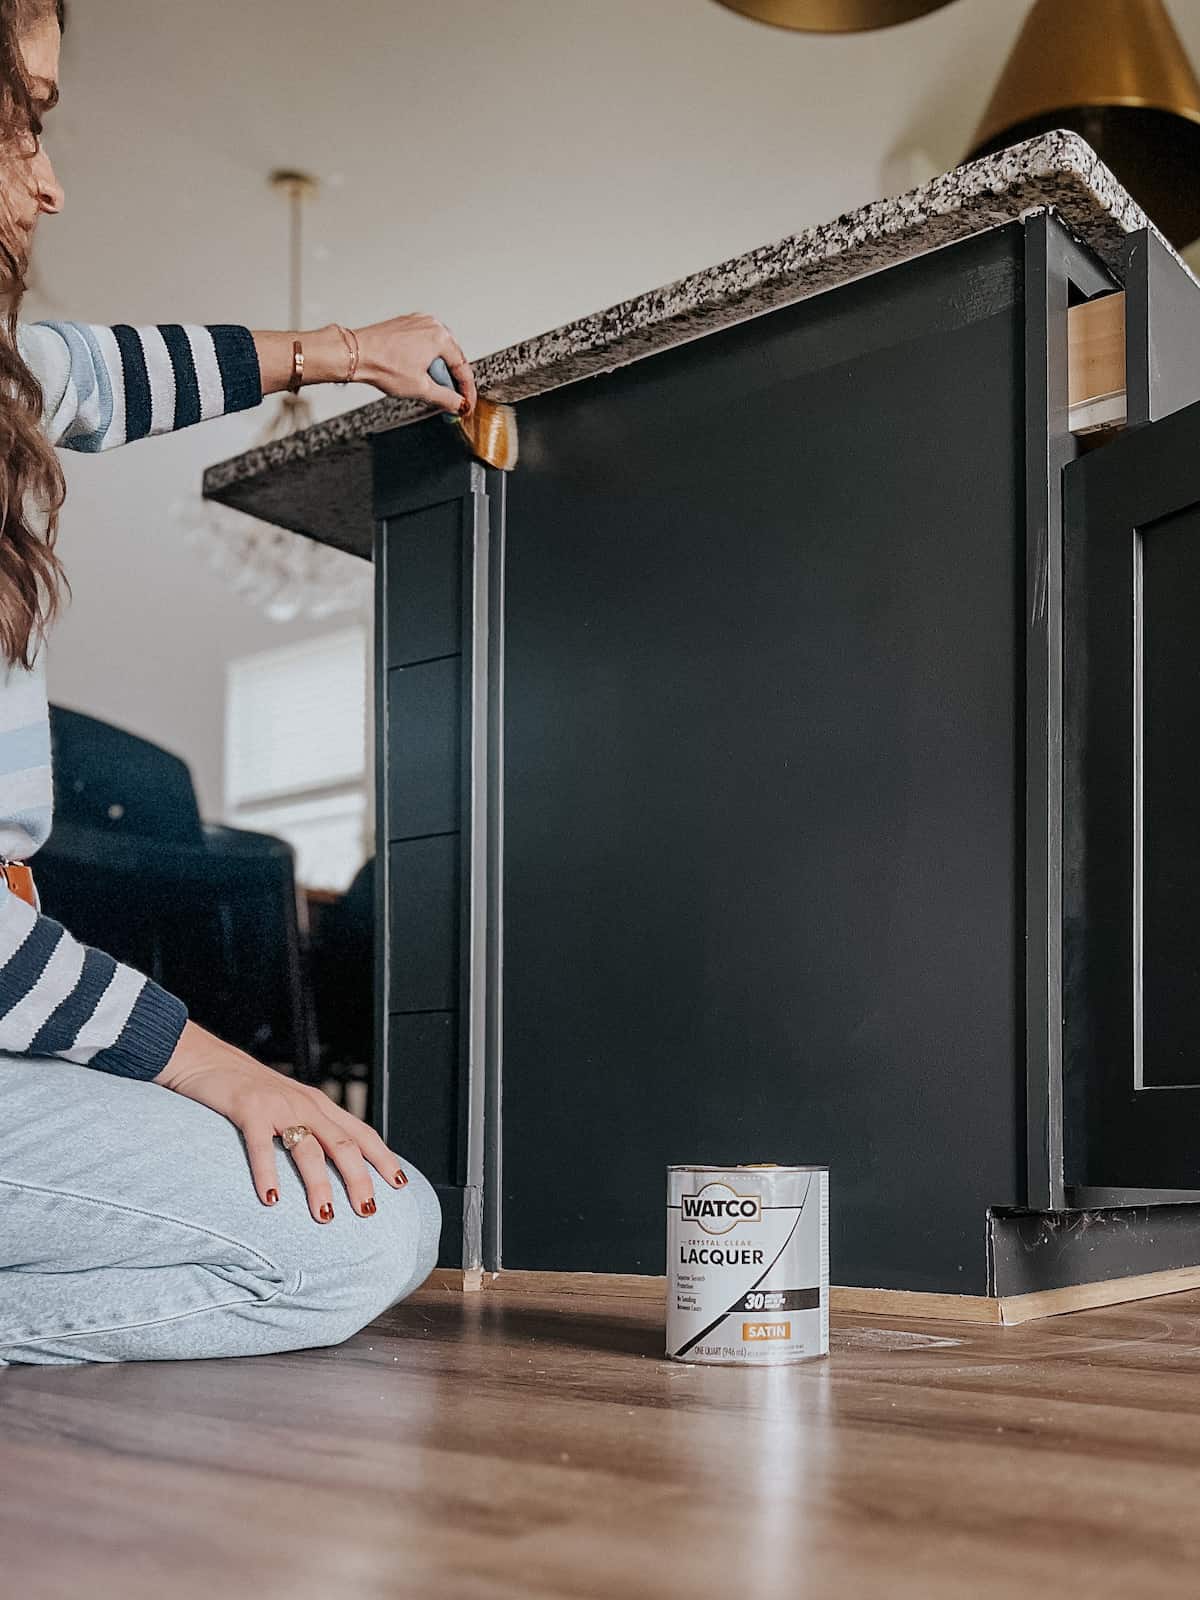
(318, 482)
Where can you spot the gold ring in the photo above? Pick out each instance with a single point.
(291, 1137)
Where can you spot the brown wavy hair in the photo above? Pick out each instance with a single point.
(31, 480)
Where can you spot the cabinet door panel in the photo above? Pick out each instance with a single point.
(425, 891)
(425, 598)
(1131, 867)
(424, 1076)
(425, 748)
(1170, 662)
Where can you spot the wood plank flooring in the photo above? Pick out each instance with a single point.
(507, 1447)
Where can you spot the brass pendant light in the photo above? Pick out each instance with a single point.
(834, 16)
(1116, 72)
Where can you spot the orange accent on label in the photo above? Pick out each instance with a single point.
(754, 1331)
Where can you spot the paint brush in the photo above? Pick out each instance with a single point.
(490, 432)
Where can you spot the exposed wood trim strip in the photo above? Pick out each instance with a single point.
(1096, 363)
(455, 1281)
(1008, 1311)
(616, 1285)
(1018, 1308)
(915, 1303)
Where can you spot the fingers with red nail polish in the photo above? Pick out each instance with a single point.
(264, 1106)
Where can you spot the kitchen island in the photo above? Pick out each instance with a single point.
(790, 760)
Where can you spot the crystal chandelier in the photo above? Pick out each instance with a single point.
(282, 574)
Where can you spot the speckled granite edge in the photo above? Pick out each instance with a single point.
(1058, 170)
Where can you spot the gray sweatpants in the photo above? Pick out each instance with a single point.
(130, 1231)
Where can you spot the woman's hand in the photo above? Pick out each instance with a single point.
(394, 357)
(262, 1103)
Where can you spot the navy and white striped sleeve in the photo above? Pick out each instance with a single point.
(60, 998)
(105, 387)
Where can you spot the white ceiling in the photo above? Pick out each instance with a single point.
(508, 164)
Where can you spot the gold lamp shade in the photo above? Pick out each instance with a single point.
(834, 16)
(1116, 72)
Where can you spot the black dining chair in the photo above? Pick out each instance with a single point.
(211, 913)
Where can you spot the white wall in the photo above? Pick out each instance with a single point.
(509, 164)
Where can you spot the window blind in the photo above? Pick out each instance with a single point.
(296, 719)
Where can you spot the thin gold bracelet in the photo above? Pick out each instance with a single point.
(297, 367)
(352, 350)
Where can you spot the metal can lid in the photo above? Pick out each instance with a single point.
(760, 1166)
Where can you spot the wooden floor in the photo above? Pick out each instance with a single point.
(489, 1445)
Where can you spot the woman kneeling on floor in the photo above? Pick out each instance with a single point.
(162, 1195)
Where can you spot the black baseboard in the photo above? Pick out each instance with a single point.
(1033, 1250)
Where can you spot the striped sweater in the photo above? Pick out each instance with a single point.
(102, 387)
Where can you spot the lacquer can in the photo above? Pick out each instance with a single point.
(747, 1264)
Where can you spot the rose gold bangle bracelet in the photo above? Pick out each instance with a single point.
(297, 377)
(352, 350)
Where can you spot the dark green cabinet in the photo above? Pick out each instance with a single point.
(722, 785)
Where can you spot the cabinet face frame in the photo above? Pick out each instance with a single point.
(1058, 271)
(424, 481)
(1129, 1141)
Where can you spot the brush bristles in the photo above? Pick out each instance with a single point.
(491, 432)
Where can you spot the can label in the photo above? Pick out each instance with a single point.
(747, 1264)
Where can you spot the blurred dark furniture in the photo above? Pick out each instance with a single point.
(342, 947)
(211, 913)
